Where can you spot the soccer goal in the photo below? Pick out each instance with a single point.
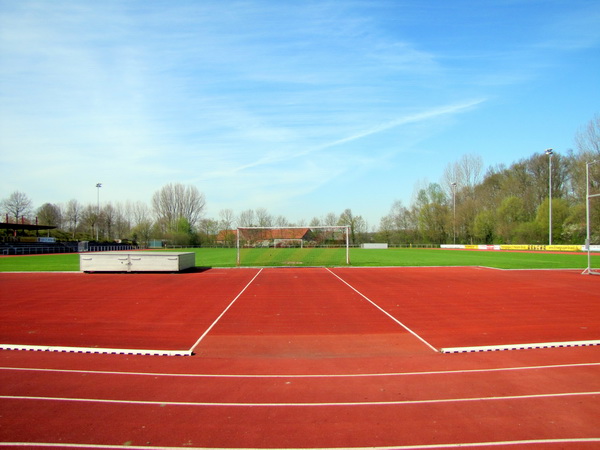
(293, 246)
(593, 268)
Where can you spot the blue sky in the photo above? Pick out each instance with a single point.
(299, 107)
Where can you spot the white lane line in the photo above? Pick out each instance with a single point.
(223, 313)
(267, 376)
(383, 311)
(395, 447)
(301, 404)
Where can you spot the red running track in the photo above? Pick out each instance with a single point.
(464, 307)
(301, 360)
(147, 311)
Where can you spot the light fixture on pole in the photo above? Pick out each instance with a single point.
(98, 185)
(549, 153)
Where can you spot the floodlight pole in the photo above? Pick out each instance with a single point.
(549, 153)
(98, 185)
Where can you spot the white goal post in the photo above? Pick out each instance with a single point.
(589, 270)
(293, 237)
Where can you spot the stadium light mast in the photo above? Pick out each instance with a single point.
(549, 152)
(98, 185)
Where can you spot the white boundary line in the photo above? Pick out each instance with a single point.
(395, 447)
(300, 404)
(223, 313)
(113, 351)
(383, 311)
(267, 376)
(493, 348)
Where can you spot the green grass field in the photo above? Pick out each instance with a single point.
(223, 257)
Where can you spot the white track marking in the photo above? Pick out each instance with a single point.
(493, 348)
(300, 404)
(395, 447)
(113, 351)
(383, 311)
(223, 313)
(267, 376)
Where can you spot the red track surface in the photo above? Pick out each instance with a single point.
(300, 359)
(462, 307)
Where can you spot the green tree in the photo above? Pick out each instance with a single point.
(560, 213)
(432, 212)
(484, 226)
(49, 214)
(511, 214)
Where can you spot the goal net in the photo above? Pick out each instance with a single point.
(293, 246)
(592, 240)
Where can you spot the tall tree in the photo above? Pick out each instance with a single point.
(432, 207)
(49, 214)
(175, 201)
(348, 219)
(227, 219)
(247, 218)
(73, 214)
(587, 138)
(17, 205)
(466, 173)
(263, 218)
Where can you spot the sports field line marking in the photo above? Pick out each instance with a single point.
(383, 311)
(223, 313)
(268, 376)
(300, 404)
(113, 351)
(395, 447)
(493, 348)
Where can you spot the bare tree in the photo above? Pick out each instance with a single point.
(466, 173)
(263, 218)
(247, 218)
(17, 205)
(348, 219)
(140, 212)
(89, 218)
(227, 219)
(281, 221)
(330, 219)
(315, 222)
(175, 201)
(73, 214)
(587, 139)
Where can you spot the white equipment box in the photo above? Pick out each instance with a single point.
(381, 246)
(136, 261)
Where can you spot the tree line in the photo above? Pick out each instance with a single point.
(505, 205)
(469, 205)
